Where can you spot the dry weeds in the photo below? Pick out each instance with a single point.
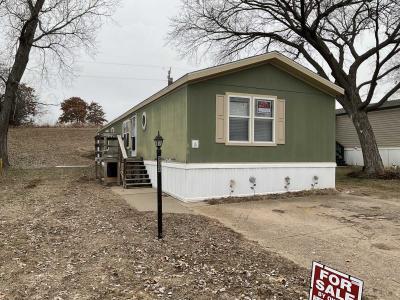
(288, 195)
(378, 188)
(66, 237)
(50, 147)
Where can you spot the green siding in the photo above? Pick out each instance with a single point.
(168, 114)
(310, 118)
(117, 127)
(189, 113)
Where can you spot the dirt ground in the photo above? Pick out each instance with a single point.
(355, 234)
(377, 188)
(50, 147)
(63, 236)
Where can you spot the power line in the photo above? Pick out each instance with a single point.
(132, 65)
(120, 77)
(109, 77)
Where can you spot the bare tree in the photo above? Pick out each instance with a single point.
(355, 43)
(52, 28)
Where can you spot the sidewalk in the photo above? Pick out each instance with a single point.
(145, 199)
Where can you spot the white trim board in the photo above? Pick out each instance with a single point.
(197, 182)
(191, 166)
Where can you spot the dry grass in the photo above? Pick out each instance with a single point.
(317, 192)
(64, 236)
(380, 188)
(49, 147)
(67, 237)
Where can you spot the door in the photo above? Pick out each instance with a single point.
(133, 136)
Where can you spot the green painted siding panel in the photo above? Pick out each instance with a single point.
(310, 118)
(168, 114)
(117, 128)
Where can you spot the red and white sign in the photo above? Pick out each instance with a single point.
(329, 284)
(263, 106)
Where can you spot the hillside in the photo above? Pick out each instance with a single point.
(50, 147)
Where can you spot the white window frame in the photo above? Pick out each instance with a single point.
(242, 117)
(125, 131)
(133, 133)
(252, 117)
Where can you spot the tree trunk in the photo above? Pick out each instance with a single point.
(3, 144)
(372, 159)
(17, 71)
(5, 111)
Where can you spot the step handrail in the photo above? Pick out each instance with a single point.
(122, 147)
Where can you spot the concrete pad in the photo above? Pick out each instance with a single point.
(145, 199)
(357, 235)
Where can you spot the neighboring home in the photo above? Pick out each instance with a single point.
(385, 122)
(260, 125)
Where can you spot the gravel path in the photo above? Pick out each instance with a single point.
(63, 236)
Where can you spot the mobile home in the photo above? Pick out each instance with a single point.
(260, 125)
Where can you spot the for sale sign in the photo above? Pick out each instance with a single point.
(329, 284)
(264, 106)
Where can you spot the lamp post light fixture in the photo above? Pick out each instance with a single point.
(158, 140)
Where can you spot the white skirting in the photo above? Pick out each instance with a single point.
(390, 156)
(196, 182)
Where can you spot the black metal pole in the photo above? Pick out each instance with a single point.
(159, 194)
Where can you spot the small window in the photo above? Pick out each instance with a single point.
(125, 133)
(144, 121)
(251, 119)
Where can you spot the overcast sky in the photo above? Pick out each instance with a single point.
(131, 64)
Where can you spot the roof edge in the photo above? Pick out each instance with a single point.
(275, 57)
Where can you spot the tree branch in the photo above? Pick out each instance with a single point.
(389, 94)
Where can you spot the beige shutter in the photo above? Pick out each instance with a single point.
(280, 122)
(220, 119)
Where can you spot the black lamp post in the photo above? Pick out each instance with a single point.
(158, 140)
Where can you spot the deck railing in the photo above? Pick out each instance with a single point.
(122, 157)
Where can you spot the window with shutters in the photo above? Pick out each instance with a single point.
(251, 119)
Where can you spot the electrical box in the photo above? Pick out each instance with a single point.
(195, 144)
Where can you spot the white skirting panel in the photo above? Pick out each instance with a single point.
(196, 182)
(390, 156)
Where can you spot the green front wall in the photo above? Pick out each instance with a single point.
(189, 114)
(310, 118)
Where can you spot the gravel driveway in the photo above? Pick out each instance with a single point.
(357, 235)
